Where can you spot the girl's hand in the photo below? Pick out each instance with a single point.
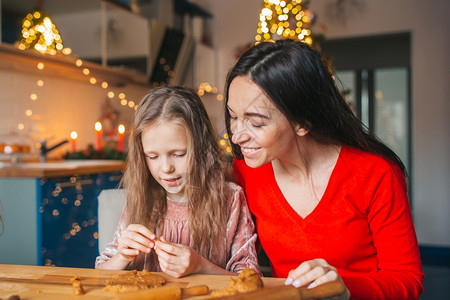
(177, 260)
(135, 238)
(315, 272)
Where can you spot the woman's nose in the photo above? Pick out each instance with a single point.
(239, 133)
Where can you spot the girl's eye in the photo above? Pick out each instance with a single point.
(152, 157)
(179, 154)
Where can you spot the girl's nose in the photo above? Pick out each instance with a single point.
(167, 165)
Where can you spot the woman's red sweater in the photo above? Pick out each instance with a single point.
(362, 226)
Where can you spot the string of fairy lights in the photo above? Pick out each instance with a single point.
(40, 33)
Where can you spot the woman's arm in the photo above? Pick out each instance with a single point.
(399, 273)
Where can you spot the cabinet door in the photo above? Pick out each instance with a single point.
(69, 218)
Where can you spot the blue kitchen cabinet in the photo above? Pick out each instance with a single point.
(52, 220)
(69, 218)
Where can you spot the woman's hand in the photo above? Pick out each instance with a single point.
(177, 260)
(315, 272)
(135, 238)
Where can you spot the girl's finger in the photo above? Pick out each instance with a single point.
(162, 255)
(133, 244)
(129, 252)
(167, 247)
(142, 230)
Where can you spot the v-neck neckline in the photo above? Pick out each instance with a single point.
(322, 202)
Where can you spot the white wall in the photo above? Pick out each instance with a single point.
(235, 24)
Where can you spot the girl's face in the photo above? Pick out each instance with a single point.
(165, 146)
(258, 127)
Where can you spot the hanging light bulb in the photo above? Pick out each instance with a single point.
(39, 33)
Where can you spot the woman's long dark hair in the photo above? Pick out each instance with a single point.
(300, 85)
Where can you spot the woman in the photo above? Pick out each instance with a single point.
(329, 199)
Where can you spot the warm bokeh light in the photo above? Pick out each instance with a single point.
(284, 19)
(39, 33)
(74, 134)
(98, 126)
(121, 128)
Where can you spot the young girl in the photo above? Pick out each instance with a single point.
(181, 216)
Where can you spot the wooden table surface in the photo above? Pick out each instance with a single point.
(42, 282)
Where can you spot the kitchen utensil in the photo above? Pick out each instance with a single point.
(168, 292)
(289, 292)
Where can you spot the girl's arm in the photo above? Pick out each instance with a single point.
(178, 260)
(126, 246)
(241, 234)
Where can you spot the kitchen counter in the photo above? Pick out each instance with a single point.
(50, 210)
(60, 168)
(41, 282)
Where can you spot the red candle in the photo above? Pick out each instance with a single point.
(120, 135)
(98, 130)
(73, 139)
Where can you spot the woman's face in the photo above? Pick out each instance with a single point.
(258, 127)
(165, 146)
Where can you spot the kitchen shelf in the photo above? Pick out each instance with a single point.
(63, 66)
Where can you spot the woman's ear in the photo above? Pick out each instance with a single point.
(301, 131)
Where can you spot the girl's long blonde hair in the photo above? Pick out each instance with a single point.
(146, 199)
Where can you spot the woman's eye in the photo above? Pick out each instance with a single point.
(233, 117)
(257, 125)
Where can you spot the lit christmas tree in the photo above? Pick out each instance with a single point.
(286, 19)
(39, 33)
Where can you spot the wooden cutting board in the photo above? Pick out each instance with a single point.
(40, 282)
